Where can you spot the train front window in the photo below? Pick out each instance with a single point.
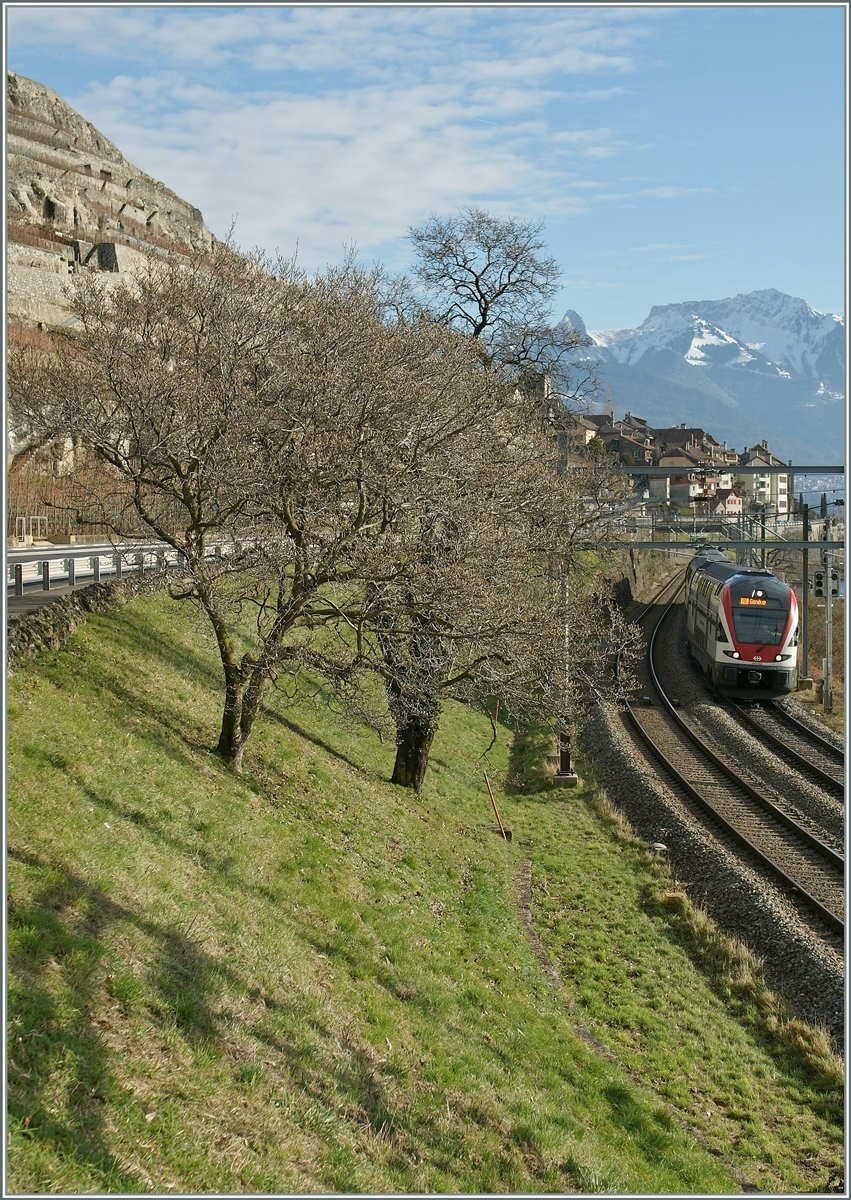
(759, 612)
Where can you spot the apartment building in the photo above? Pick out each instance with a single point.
(772, 491)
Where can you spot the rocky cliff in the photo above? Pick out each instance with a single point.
(75, 202)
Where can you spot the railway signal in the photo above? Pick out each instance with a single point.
(818, 583)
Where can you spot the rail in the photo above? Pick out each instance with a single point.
(830, 918)
(761, 717)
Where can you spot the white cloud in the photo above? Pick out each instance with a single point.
(346, 166)
(599, 94)
(358, 39)
(600, 152)
(323, 124)
(658, 246)
(671, 193)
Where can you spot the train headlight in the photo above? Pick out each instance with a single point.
(778, 658)
(735, 654)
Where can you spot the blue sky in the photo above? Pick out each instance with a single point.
(675, 153)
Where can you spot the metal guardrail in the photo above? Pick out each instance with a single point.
(730, 533)
(732, 543)
(722, 468)
(73, 565)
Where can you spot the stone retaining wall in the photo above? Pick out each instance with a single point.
(639, 571)
(51, 626)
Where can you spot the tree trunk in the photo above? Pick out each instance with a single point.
(413, 744)
(414, 735)
(235, 725)
(231, 739)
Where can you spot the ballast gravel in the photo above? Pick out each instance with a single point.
(801, 711)
(796, 793)
(801, 964)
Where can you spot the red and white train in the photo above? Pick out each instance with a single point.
(741, 627)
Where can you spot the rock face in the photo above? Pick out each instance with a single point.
(75, 202)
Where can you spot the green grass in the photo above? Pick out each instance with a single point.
(307, 980)
(684, 1008)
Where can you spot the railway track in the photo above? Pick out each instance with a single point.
(785, 780)
(810, 753)
(793, 854)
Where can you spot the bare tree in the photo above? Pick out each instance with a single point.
(488, 277)
(380, 497)
(474, 606)
(480, 605)
(165, 380)
(233, 400)
(30, 426)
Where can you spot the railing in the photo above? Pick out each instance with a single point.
(72, 566)
(22, 532)
(742, 533)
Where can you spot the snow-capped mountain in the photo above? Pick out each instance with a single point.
(765, 331)
(758, 365)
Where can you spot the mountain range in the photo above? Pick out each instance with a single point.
(757, 365)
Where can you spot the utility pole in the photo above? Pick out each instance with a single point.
(828, 622)
(762, 539)
(565, 776)
(804, 672)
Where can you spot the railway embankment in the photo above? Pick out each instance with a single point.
(802, 710)
(801, 965)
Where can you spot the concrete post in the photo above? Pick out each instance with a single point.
(828, 624)
(762, 539)
(71, 565)
(804, 671)
(45, 575)
(19, 579)
(116, 558)
(95, 561)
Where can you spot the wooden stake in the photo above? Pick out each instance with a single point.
(495, 809)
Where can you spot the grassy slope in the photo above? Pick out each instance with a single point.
(308, 980)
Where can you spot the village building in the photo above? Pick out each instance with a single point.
(727, 502)
(772, 492)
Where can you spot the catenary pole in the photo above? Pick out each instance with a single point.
(828, 621)
(805, 597)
